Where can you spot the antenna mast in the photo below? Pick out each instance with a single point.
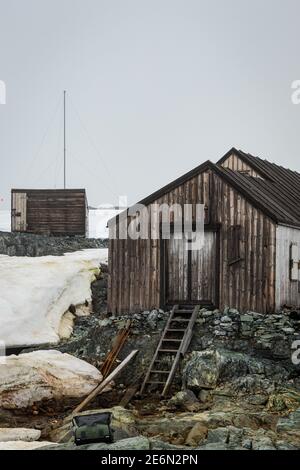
(65, 149)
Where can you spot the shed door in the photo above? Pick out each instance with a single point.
(18, 212)
(192, 274)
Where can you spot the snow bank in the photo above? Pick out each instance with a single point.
(36, 292)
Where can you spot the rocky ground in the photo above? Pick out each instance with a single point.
(237, 388)
(25, 244)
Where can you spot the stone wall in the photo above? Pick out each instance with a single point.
(24, 244)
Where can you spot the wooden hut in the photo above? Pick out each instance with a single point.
(49, 211)
(250, 258)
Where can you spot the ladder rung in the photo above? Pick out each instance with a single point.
(181, 330)
(172, 340)
(168, 350)
(184, 311)
(151, 382)
(180, 319)
(187, 316)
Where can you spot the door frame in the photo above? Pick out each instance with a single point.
(164, 272)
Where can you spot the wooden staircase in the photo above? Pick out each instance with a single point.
(173, 343)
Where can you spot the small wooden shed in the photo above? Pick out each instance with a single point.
(251, 253)
(49, 211)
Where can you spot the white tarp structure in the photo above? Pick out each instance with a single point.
(4, 221)
(98, 219)
(36, 292)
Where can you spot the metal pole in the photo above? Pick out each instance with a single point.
(65, 149)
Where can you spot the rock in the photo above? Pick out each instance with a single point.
(25, 445)
(200, 370)
(252, 386)
(65, 329)
(206, 313)
(204, 396)
(233, 311)
(152, 318)
(105, 322)
(234, 372)
(133, 443)
(205, 369)
(235, 436)
(197, 435)
(214, 446)
(218, 435)
(247, 444)
(32, 245)
(263, 443)
(283, 445)
(258, 399)
(247, 318)
(31, 378)
(289, 424)
(160, 445)
(185, 400)
(288, 331)
(19, 434)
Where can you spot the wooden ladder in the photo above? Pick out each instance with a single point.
(174, 341)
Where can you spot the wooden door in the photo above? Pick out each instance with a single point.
(191, 275)
(204, 270)
(19, 212)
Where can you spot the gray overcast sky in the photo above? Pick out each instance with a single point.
(155, 86)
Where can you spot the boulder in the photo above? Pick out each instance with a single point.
(235, 372)
(31, 378)
(185, 400)
(218, 435)
(206, 369)
(264, 443)
(290, 424)
(25, 445)
(197, 435)
(133, 443)
(19, 434)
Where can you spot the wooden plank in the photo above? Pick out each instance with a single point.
(105, 382)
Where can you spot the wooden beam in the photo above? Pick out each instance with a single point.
(105, 382)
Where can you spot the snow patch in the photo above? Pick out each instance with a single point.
(35, 293)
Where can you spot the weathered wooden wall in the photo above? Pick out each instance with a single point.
(248, 284)
(135, 266)
(57, 212)
(287, 291)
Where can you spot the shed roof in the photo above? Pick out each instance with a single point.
(277, 193)
(279, 189)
